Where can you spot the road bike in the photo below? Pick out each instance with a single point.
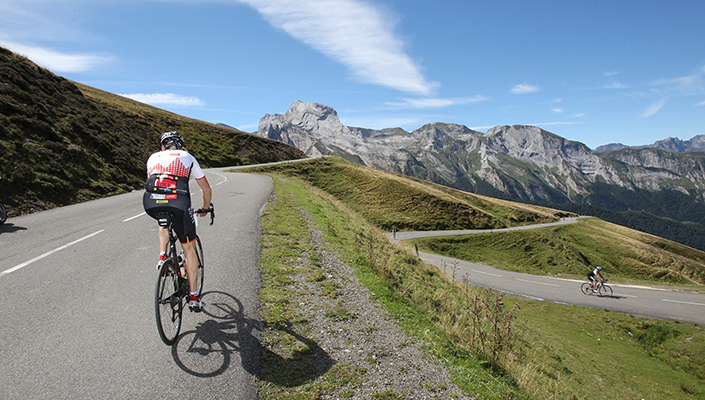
(601, 288)
(172, 291)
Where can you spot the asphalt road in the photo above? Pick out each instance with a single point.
(77, 295)
(653, 302)
(77, 301)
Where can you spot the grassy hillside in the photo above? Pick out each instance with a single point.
(389, 200)
(496, 347)
(397, 201)
(572, 250)
(63, 142)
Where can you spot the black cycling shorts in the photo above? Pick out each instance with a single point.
(179, 205)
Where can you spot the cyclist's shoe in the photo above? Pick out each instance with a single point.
(195, 304)
(162, 258)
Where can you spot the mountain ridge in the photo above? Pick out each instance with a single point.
(520, 163)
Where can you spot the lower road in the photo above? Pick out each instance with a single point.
(77, 293)
(644, 301)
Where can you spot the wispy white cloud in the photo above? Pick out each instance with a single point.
(614, 85)
(57, 61)
(611, 73)
(436, 102)
(688, 84)
(524, 88)
(165, 99)
(354, 33)
(653, 109)
(557, 110)
(702, 103)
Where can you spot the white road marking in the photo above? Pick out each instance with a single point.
(486, 273)
(136, 216)
(538, 283)
(683, 302)
(24, 264)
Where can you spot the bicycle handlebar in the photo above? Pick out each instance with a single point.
(210, 211)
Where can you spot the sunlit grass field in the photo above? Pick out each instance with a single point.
(571, 250)
(553, 351)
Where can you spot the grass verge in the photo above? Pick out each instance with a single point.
(572, 250)
(551, 351)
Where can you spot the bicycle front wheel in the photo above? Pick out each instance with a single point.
(168, 303)
(3, 214)
(199, 276)
(586, 288)
(604, 290)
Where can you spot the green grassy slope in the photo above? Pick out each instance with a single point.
(62, 142)
(496, 347)
(396, 201)
(389, 201)
(572, 250)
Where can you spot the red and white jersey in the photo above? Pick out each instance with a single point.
(174, 162)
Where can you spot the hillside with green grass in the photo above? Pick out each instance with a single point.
(63, 142)
(495, 346)
(394, 201)
(570, 251)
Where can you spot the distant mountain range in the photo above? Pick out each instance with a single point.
(524, 163)
(676, 145)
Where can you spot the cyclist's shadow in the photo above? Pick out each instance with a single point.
(207, 350)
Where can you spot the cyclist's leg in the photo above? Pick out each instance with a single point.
(191, 265)
(153, 204)
(163, 239)
(187, 237)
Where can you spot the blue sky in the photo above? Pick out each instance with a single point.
(596, 71)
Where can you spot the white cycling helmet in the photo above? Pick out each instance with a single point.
(168, 139)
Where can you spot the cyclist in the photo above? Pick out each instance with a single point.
(167, 189)
(592, 274)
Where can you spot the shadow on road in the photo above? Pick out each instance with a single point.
(10, 227)
(208, 350)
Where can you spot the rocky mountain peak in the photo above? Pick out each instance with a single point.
(313, 116)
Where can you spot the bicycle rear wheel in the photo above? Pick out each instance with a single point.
(199, 277)
(586, 288)
(169, 303)
(3, 213)
(604, 290)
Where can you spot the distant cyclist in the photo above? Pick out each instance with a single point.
(167, 189)
(592, 276)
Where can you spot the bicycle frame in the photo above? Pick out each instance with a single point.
(172, 288)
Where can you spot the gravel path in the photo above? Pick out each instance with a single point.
(354, 330)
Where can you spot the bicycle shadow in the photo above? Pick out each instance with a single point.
(209, 349)
(9, 227)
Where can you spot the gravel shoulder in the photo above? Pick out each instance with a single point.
(352, 331)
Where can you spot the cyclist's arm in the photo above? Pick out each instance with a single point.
(207, 192)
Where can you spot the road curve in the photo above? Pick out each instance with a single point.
(643, 301)
(77, 286)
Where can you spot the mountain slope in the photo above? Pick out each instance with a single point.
(63, 142)
(522, 163)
